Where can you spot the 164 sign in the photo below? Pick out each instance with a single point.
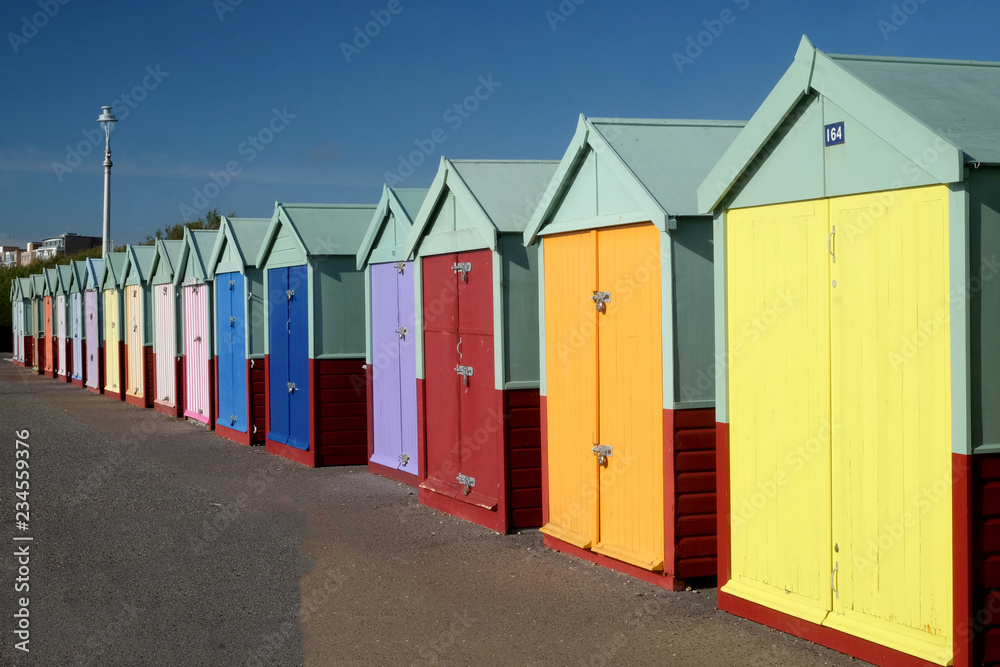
(834, 133)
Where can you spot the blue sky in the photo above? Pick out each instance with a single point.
(269, 91)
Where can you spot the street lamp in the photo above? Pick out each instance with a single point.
(106, 118)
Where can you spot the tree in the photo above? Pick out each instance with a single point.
(211, 220)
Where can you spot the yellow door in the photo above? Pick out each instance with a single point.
(111, 338)
(777, 283)
(135, 385)
(891, 398)
(630, 396)
(571, 382)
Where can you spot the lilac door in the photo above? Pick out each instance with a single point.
(60, 319)
(394, 384)
(76, 323)
(196, 355)
(92, 327)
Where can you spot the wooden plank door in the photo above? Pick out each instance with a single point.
(60, 317)
(230, 325)
(196, 353)
(135, 368)
(778, 351)
(165, 315)
(112, 338)
(49, 335)
(630, 396)
(441, 385)
(92, 324)
(890, 401)
(571, 387)
(76, 318)
(278, 330)
(386, 381)
(298, 358)
(408, 370)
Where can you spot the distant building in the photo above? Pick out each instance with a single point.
(64, 244)
(10, 255)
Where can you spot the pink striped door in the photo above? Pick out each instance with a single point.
(196, 353)
(165, 318)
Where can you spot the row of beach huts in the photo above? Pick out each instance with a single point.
(754, 353)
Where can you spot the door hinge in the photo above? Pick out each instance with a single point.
(465, 372)
(602, 452)
(400, 267)
(467, 483)
(402, 332)
(404, 459)
(463, 268)
(601, 299)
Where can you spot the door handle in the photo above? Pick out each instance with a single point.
(829, 243)
(458, 348)
(288, 325)
(833, 587)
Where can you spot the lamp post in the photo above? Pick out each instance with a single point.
(106, 118)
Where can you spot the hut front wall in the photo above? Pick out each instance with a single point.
(337, 315)
(520, 313)
(693, 314)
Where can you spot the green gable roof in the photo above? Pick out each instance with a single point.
(26, 287)
(498, 195)
(400, 205)
(197, 244)
(911, 104)
(318, 229)
(139, 262)
(94, 270)
(243, 235)
(65, 278)
(113, 273)
(168, 256)
(658, 163)
(78, 269)
(51, 281)
(38, 285)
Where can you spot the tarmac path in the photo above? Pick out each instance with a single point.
(157, 543)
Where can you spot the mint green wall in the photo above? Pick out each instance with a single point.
(693, 311)
(338, 302)
(984, 304)
(255, 283)
(520, 310)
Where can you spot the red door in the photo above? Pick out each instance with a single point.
(463, 429)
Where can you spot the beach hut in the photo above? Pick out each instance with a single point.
(858, 437)
(17, 322)
(626, 304)
(63, 325)
(194, 280)
(140, 369)
(50, 279)
(477, 347)
(390, 347)
(93, 324)
(23, 322)
(38, 321)
(314, 303)
(167, 304)
(239, 329)
(75, 323)
(111, 284)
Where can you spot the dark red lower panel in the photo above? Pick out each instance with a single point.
(256, 418)
(691, 483)
(340, 411)
(981, 621)
(722, 512)
(29, 352)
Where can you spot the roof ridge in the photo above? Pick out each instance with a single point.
(914, 61)
(669, 122)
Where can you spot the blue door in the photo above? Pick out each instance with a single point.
(298, 358)
(277, 351)
(288, 357)
(232, 352)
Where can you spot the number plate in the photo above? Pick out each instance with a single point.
(834, 133)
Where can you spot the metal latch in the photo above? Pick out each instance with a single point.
(400, 267)
(463, 268)
(465, 372)
(135, 327)
(601, 299)
(197, 339)
(232, 283)
(402, 332)
(290, 293)
(467, 483)
(232, 320)
(164, 289)
(195, 290)
(602, 452)
(291, 387)
(232, 419)
(404, 459)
